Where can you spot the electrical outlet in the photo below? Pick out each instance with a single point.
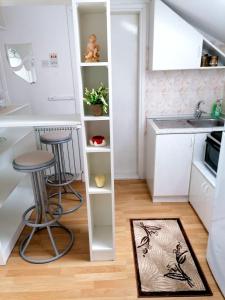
(53, 59)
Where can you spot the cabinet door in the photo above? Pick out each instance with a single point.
(201, 196)
(174, 43)
(173, 164)
(216, 243)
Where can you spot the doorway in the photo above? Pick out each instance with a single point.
(125, 78)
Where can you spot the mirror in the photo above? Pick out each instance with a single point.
(20, 58)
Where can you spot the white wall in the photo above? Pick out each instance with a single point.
(46, 28)
(177, 92)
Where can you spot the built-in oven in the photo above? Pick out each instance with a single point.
(212, 150)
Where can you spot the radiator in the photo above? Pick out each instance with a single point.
(72, 150)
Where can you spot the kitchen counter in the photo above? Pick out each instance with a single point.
(11, 109)
(39, 120)
(178, 125)
(20, 116)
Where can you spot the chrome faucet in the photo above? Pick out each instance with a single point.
(198, 112)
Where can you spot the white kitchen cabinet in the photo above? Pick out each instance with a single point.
(201, 196)
(174, 44)
(169, 159)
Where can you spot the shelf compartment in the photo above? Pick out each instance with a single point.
(92, 77)
(99, 164)
(97, 128)
(102, 231)
(209, 48)
(102, 244)
(94, 190)
(102, 238)
(92, 20)
(11, 217)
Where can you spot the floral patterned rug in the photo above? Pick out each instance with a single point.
(165, 261)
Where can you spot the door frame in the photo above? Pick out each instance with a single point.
(140, 9)
(3, 79)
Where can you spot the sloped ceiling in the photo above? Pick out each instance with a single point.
(207, 15)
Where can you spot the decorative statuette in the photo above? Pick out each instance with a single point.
(93, 49)
(100, 180)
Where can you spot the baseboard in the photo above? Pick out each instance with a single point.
(170, 199)
(126, 176)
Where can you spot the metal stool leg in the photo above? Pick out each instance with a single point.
(62, 182)
(42, 208)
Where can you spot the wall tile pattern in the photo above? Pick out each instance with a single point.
(177, 92)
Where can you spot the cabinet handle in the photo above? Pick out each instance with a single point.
(205, 187)
(192, 142)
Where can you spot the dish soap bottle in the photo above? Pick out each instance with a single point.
(217, 109)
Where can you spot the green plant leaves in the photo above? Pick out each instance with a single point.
(97, 96)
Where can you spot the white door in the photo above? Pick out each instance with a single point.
(125, 57)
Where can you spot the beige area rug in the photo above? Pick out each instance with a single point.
(165, 261)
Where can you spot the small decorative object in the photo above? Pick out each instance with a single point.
(92, 52)
(97, 99)
(100, 181)
(205, 60)
(213, 61)
(98, 141)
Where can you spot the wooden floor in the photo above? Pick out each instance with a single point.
(75, 277)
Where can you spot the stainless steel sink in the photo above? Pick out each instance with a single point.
(204, 123)
(172, 123)
(188, 123)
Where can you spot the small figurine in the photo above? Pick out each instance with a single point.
(92, 52)
(100, 181)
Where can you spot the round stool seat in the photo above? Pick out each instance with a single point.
(32, 161)
(55, 137)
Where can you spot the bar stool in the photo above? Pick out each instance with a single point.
(36, 163)
(61, 178)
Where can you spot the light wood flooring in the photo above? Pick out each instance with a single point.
(75, 277)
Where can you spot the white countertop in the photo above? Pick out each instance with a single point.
(180, 130)
(10, 109)
(7, 120)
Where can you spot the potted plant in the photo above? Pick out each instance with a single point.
(97, 99)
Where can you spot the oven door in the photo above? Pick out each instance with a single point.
(212, 154)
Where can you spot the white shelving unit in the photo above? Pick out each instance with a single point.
(16, 193)
(93, 16)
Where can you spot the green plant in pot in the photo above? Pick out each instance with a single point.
(97, 99)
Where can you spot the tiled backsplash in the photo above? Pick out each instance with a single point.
(177, 92)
